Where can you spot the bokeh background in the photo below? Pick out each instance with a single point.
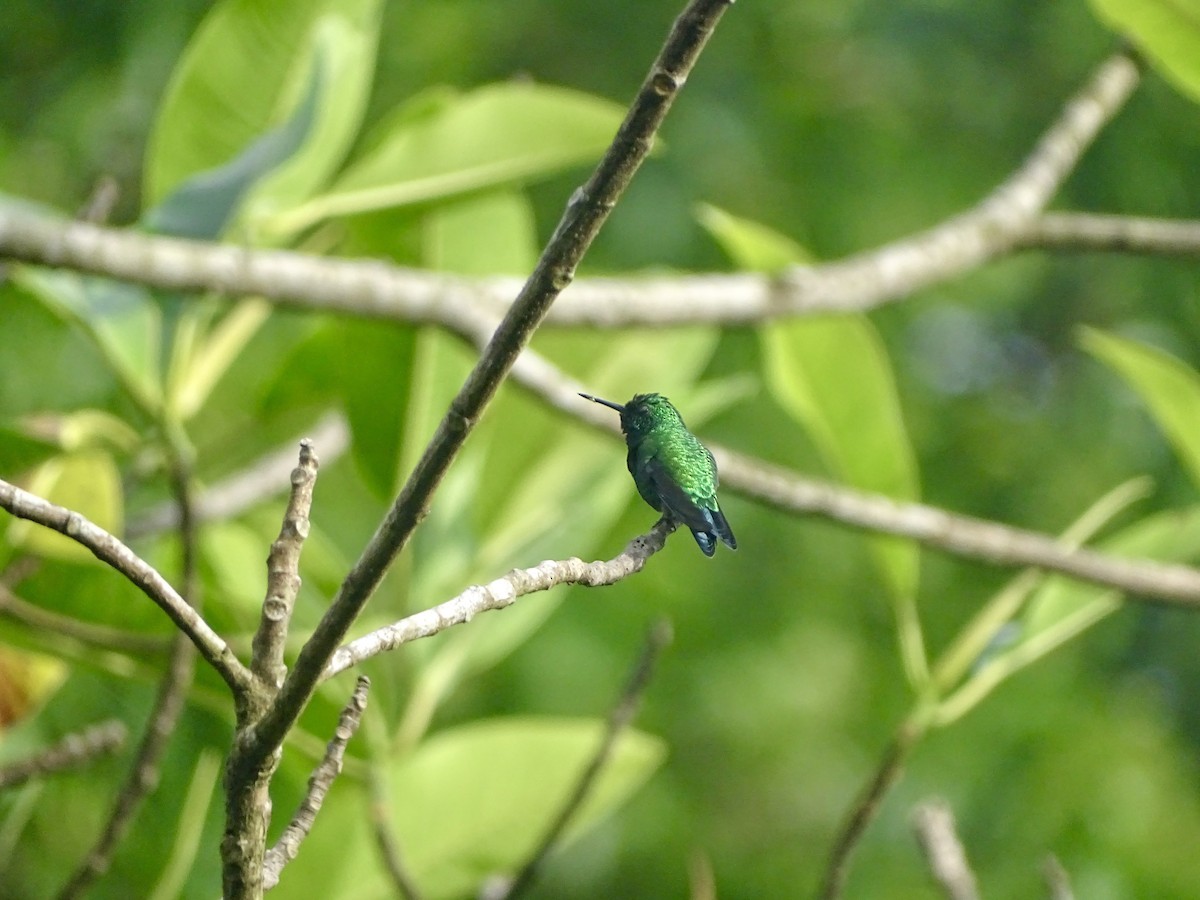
(842, 126)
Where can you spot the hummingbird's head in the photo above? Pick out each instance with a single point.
(643, 413)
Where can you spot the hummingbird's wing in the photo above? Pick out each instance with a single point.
(704, 523)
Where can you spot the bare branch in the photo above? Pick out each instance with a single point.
(498, 594)
(866, 808)
(1058, 882)
(164, 715)
(585, 214)
(962, 535)
(1007, 220)
(933, 822)
(657, 640)
(93, 635)
(110, 550)
(319, 782)
(1123, 234)
(258, 482)
(283, 574)
(73, 751)
(385, 839)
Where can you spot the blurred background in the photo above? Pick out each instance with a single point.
(841, 126)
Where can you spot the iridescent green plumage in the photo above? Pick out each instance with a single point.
(673, 471)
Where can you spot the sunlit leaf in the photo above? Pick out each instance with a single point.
(509, 777)
(1169, 388)
(86, 482)
(493, 136)
(242, 75)
(1166, 31)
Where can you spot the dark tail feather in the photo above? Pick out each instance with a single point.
(707, 545)
(724, 532)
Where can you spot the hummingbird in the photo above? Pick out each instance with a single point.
(673, 471)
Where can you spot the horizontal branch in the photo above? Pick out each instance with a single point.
(498, 594)
(1008, 219)
(108, 549)
(961, 535)
(75, 750)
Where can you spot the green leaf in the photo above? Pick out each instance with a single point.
(751, 245)
(243, 74)
(203, 353)
(202, 206)
(474, 800)
(490, 137)
(1064, 608)
(121, 321)
(832, 375)
(1166, 31)
(1168, 387)
(86, 482)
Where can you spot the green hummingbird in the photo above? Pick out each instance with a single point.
(673, 471)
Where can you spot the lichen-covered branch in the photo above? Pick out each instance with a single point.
(933, 823)
(283, 574)
(74, 751)
(498, 594)
(110, 550)
(288, 845)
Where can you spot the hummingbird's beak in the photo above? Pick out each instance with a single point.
(617, 406)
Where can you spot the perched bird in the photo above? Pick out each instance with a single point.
(673, 471)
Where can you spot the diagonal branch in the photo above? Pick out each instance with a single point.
(498, 594)
(110, 550)
(933, 822)
(164, 715)
(657, 640)
(74, 750)
(288, 845)
(586, 212)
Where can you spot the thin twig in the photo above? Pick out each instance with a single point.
(385, 839)
(110, 550)
(257, 483)
(319, 782)
(866, 808)
(283, 574)
(658, 638)
(1058, 882)
(933, 822)
(102, 637)
(499, 594)
(961, 535)
(164, 715)
(74, 751)
(1094, 232)
(586, 212)
(1009, 219)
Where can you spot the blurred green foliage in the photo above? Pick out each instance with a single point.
(828, 127)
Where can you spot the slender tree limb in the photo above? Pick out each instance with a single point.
(288, 845)
(866, 808)
(93, 635)
(283, 574)
(1058, 882)
(1172, 584)
(257, 483)
(585, 214)
(110, 550)
(1008, 219)
(385, 839)
(164, 716)
(498, 594)
(1108, 233)
(657, 640)
(74, 751)
(933, 822)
